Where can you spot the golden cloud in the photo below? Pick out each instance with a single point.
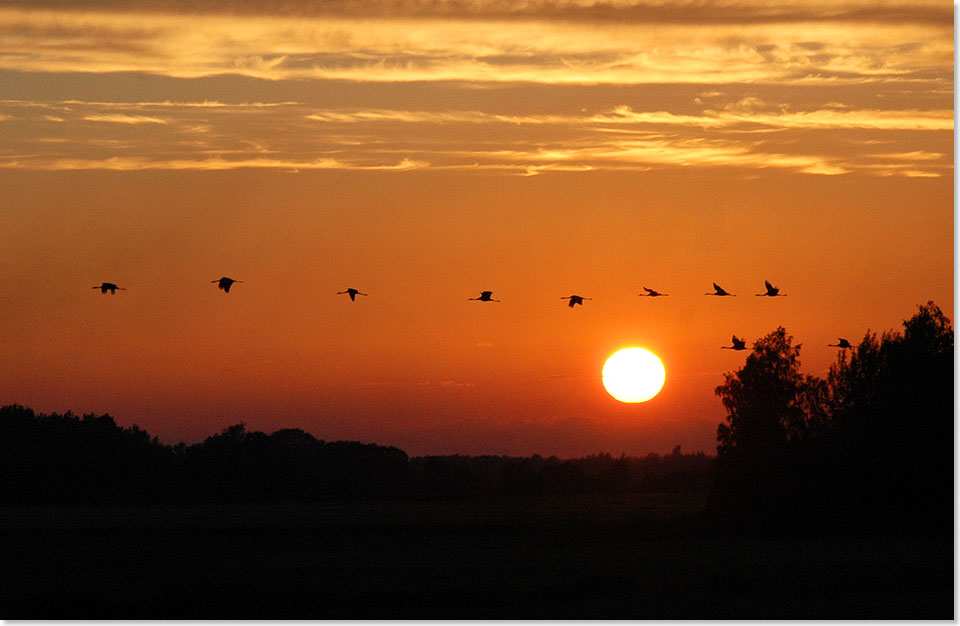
(481, 50)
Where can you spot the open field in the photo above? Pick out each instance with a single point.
(636, 556)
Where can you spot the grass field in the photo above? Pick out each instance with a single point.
(636, 557)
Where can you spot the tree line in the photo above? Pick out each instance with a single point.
(67, 459)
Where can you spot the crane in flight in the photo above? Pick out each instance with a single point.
(575, 300)
(105, 287)
(738, 344)
(843, 344)
(485, 296)
(225, 283)
(718, 291)
(653, 293)
(771, 290)
(353, 293)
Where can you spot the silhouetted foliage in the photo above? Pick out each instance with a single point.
(773, 412)
(893, 423)
(872, 445)
(460, 476)
(289, 465)
(68, 460)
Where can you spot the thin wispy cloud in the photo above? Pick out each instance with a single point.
(132, 164)
(124, 119)
(623, 115)
(404, 49)
(660, 152)
(645, 11)
(447, 384)
(215, 136)
(731, 116)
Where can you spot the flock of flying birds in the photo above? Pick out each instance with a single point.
(226, 283)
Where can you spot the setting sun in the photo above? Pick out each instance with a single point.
(633, 375)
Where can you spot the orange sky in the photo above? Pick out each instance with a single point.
(424, 151)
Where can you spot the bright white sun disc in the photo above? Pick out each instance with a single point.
(633, 375)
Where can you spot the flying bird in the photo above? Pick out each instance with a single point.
(771, 290)
(719, 291)
(353, 293)
(843, 344)
(738, 344)
(653, 293)
(105, 287)
(485, 296)
(225, 283)
(574, 300)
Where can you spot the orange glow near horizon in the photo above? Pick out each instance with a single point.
(424, 154)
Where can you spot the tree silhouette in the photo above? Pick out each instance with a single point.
(773, 412)
(769, 402)
(870, 446)
(70, 459)
(892, 435)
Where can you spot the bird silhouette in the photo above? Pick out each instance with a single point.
(575, 300)
(738, 344)
(653, 293)
(105, 287)
(843, 344)
(485, 296)
(353, 293)
(718, 291)
(771, 290)
(225, 283)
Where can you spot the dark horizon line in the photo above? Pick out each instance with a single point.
(134, 427)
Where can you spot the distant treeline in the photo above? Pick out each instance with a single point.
(89, 459)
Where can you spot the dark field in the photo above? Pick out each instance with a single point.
(637, 556)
